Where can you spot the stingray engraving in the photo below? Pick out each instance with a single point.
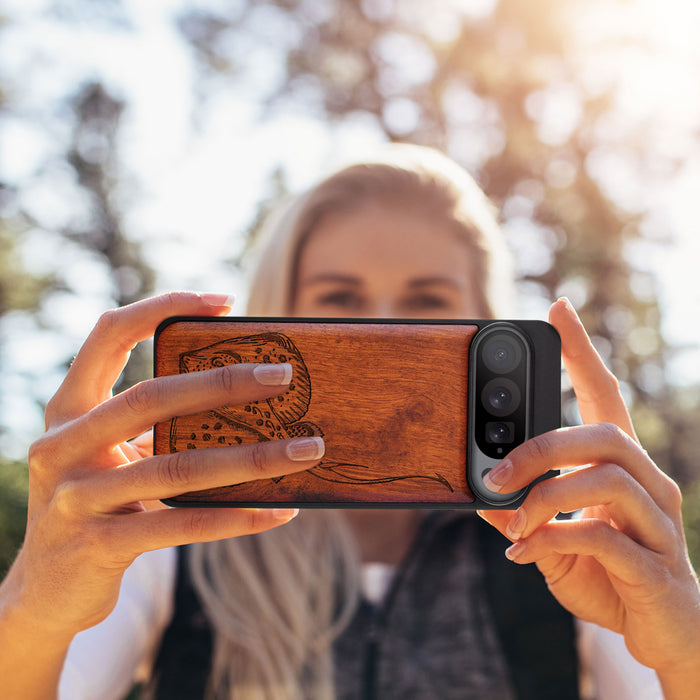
(278, 417)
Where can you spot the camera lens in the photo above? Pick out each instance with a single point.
(502, 353)
(500, 396)
(499, 432)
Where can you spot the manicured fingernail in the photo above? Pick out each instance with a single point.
(306, 448)
(515, 550)
(218, 299)
(276, 374)
(285, 514)
(498, 476)
(517, 525)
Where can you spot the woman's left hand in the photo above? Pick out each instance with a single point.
(623, 564)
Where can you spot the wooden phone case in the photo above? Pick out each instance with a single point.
(389, 399)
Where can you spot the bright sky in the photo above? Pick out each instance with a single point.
(196, 188)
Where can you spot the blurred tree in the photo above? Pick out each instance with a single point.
(94, 156)
(18, 291)
(93, 232)
(97, 234)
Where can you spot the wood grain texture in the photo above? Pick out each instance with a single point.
(390, 401)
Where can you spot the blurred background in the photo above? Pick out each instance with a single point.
(140, 142)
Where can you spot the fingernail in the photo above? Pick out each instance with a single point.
(499, 476)
(517, 525)
(273, 374)
(306, 448)
(569, 306)
(515, 550)
(285, 514)
(218, 299)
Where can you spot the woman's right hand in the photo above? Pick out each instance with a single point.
(88, 517)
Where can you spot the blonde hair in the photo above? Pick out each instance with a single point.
(277, 600)
(416, 176)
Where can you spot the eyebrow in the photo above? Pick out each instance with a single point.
(333, 277)
(433, 281)
(352, 281)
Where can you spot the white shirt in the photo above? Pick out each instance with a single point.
(104, 661)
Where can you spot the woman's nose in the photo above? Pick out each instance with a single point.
(383, 308)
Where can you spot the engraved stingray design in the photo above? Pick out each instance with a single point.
(278, 417)
(273, 418)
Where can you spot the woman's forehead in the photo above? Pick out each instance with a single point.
(384, 235)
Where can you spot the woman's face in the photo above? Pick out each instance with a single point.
(385, 261)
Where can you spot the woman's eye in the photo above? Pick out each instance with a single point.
(341, 300)
(427, 302)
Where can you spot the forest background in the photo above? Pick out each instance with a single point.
(141, 142)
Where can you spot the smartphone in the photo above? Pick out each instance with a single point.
(413, 413)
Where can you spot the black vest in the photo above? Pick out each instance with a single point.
(534, 635)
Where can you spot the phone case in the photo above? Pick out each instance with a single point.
(390, 399)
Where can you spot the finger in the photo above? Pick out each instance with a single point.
(596, 388)
(497, 518)
(142, 532)
(618, 554)
(166, 476)
(131, 452)
(143, 444)
(606, 486)
(138, 448)
(105, 352)
(160, 399)
(579, 445)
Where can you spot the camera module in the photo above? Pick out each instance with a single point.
(505, 358)
(501, 395)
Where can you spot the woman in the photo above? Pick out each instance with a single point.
(411, 236)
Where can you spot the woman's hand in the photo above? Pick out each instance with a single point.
(623, 564)
(88, 517)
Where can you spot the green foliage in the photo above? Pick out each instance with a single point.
(691, 521)
(14, 484)
(18, 289)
